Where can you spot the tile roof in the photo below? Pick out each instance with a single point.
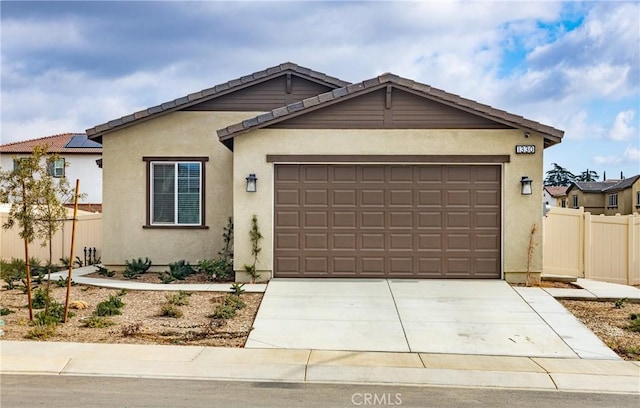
(96, 132)
(626, 183)
(604, 186)
(56, 144)
(552, 135)
(556, 191)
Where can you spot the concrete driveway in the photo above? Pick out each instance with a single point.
(486, 317)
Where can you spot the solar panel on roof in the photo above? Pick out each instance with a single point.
(81, 141)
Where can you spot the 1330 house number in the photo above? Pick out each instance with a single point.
(525, 149)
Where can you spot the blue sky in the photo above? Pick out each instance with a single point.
(68, 66)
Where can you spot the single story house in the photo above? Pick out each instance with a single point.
(608, 197)
(78, 160)
(382, 178)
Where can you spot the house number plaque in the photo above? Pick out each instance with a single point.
(525, 149)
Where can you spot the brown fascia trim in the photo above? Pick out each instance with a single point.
(175, 158)
(387, 158)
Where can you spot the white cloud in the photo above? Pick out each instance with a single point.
(610, 159)
(633, 154)
(623, 126)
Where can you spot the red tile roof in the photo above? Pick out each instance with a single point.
(556, 191)
(55, 143)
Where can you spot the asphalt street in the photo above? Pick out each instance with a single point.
(25, 391)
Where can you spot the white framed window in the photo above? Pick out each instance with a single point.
(563, 203)
(612, 200)
(56, 168)
(574, 201)
(638, 199)
(175, 193)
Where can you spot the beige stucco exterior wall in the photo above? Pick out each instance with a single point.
(591, 202)
(520, 213)
(124, 187)
(626, 200)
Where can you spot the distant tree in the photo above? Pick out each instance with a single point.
(589, 175)
(559, 176)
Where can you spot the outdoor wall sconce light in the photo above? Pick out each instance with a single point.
(526, 185)
(252, 183)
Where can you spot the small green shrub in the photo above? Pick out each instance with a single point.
(5, 311)
(181, 269)
(236, 288)
(110, 307)
(634, 326)
(136, 267)
(619, 304)
(170, 310)
(165, 277)
(40, 298)
(224, 311)
(179, 299)
(53, 315)
(97, 322)
(41, 331)
(235, 302)
(62, 282)
(12, 272)
(216, 269)
(102, 271)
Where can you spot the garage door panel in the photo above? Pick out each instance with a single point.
(316, 241)
(288, 219)
(344, 198)
(315, 198)
(288, 198)
(316, 174)
(401, 198)
(343, 174)
(430, 198)
(287, 242)
(345, 242)
(400, 219)
(315, 264)
(458, 198)
(372, 198)
(372, 242)
(372, 266)
(403, 221)
(316, 219)
(429, 220)
(401, 242)
(372, 219)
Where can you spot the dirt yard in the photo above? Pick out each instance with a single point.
(141, 321)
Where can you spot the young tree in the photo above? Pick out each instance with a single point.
(37, 201)
(559, 176)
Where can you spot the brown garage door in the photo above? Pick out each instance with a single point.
(402, 221)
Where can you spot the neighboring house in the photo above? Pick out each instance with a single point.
(608, 197)
(78, 156)
(555, 196)
(382, 178)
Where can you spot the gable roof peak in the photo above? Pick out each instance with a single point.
(551, 134)
(96, 132)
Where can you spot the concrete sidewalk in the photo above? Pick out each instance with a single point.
(586, 373)
(315, 366)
